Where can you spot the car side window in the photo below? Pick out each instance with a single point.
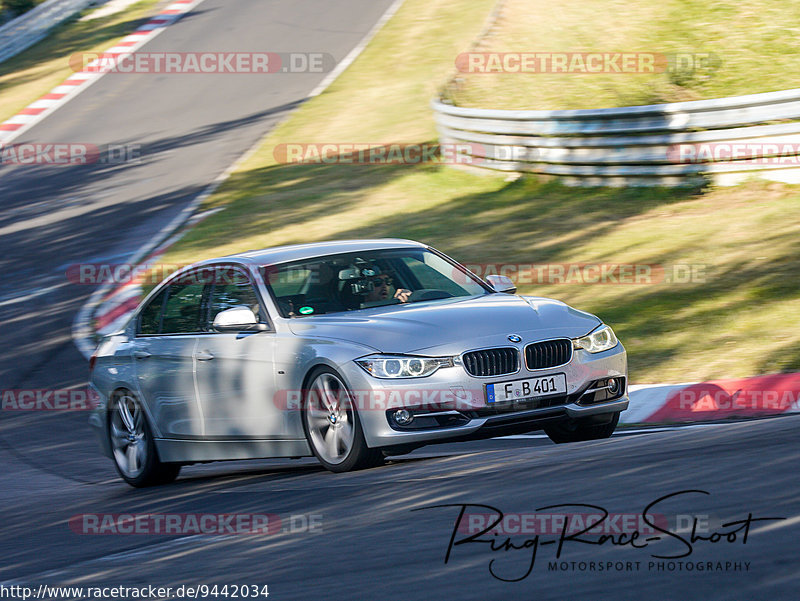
(150, 317)
(183, 309)
(433, 273)
(226, 295)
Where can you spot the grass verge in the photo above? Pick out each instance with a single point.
(40, 68)
(761, 56)
(737, 316)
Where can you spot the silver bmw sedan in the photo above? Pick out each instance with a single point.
(349, 351)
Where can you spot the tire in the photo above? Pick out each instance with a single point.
(573, 431)
(332, 426)
(133, 448)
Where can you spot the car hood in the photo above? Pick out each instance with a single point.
(451, 326)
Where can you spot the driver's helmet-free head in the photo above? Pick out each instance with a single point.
(360, 277)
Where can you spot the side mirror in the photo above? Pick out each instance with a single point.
(237, 319)
(501, 283)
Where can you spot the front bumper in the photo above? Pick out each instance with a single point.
(501, 424)
(463, 397)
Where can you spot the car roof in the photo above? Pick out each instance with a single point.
(296, 252)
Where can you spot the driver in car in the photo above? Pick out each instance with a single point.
(381, 289)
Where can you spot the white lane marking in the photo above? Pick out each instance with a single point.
(14, 299)
(619, 432)
(147, 549)
(647, 399)
(101, 259)
(776, 525)
(110, 8)
(162, 23)
(82, 332)
(124, 293)
(117, 325)
(353, 54)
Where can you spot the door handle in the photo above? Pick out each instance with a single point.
(141, 354)
(204, 356)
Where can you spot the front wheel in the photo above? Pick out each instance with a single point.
(332, 426)
(132, 444)
(574, 431)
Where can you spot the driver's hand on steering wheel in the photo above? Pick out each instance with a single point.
(402, 295)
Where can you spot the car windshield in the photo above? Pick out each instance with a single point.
(353, 281)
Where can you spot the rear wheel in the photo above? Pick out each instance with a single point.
(576, 431)
(332, 426)
(132, 444)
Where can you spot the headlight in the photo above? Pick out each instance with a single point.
(400, 366)
(602, 339)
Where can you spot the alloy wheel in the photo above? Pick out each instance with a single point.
(128, 438)
(330, 418)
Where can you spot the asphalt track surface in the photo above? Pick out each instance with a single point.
(189, 129)
(370, 542)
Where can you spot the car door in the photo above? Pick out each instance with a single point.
(235, 370)
(163, 355)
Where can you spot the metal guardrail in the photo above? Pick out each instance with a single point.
(30, 27)
(663, 144)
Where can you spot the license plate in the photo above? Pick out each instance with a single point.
(532, 388)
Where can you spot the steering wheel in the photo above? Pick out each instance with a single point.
(424, 294)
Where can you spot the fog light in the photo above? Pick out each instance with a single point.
(403, 417)
(613, 386)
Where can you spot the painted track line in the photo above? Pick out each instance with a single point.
(80, 81)
(82, 329)
(620, 432)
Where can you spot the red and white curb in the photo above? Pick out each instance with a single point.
(715, 400)
(84, 332)
(774, 394)
(694, 402)
(115, 308)
(81, 80)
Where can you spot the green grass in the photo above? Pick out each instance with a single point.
(742, 320)
(756, 42)
(39, 69)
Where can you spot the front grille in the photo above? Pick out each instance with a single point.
(549, 353)
(492, 362)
